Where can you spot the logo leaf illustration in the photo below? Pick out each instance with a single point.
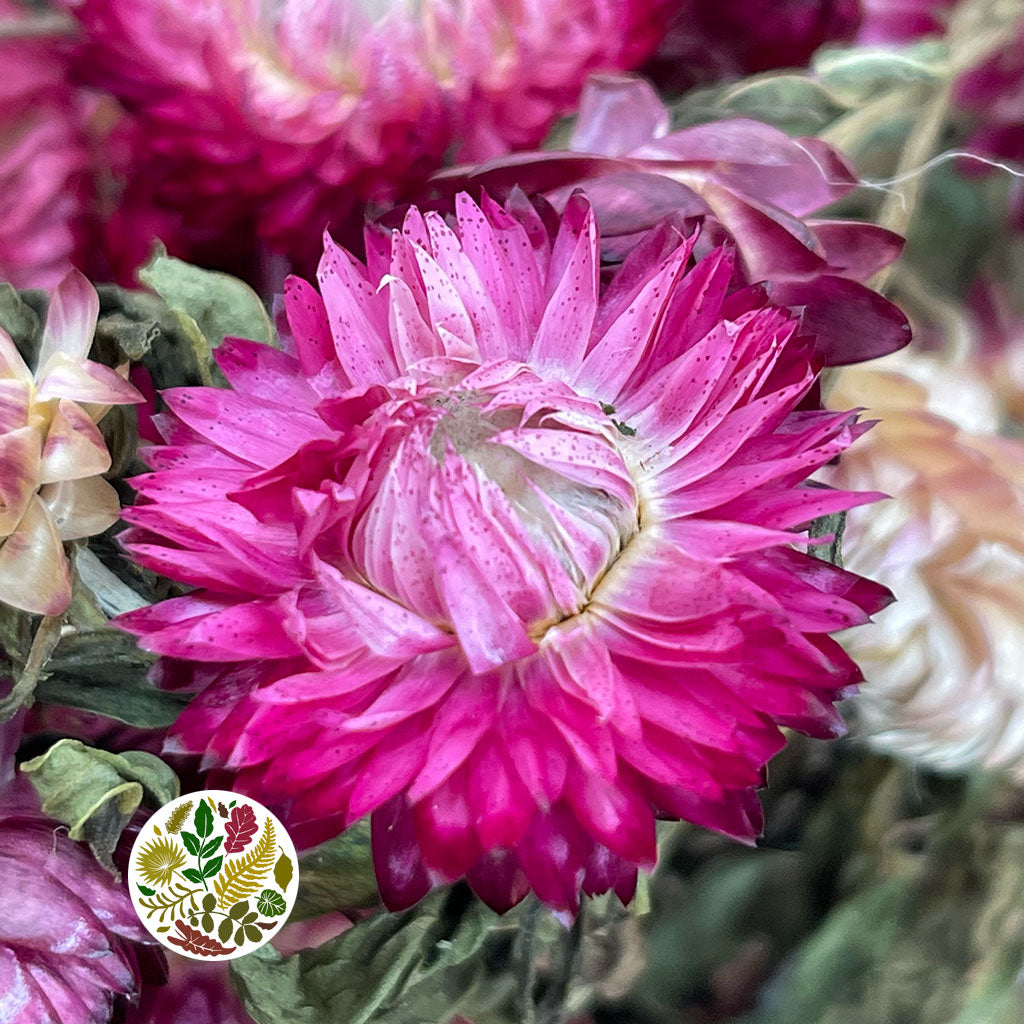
(271, 903)
(192, 875)
(171, 901)
(159, 859)
(243, 876)
(210, 848)
(240, 829)
(194, 941)
(191, 843)
(145, 891)
(283, 871)
(203, 820)
(211, 867)
(177, 817)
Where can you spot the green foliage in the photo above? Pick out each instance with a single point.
(95, 792)
(337, 875)
(412, 967)
(209, 305)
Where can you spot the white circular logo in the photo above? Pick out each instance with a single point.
(213, 875)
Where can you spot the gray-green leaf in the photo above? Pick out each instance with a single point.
(95, 792)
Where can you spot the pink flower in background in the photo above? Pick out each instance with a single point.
(195, 993)
(52, 456)
(900, 21)
(269, 120)
(505, 560)
(745, 181)
(708, 40)
(45, 160)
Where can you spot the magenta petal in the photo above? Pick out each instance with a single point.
(854, 249)
(401, 875)
(850, 322)
(498, 880)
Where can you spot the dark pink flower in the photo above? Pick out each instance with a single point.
(708, 40)
(745, 180)
(506, 560)
(268, 120)
(195, 993)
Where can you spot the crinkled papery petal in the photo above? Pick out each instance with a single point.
(67, 943)
(515, 568)
(70, 319)
(34, 574)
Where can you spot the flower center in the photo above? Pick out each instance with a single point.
(509, 495)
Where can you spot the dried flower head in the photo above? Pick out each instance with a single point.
(509, 562)
(52, 456)
(942, 665)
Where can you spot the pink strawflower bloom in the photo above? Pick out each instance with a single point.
(743, 180)
(68, 929)
(507, 561)
(45, 159)
(52, 456)
(274, 119)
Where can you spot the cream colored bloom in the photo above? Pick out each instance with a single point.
(944, 676)
(52, 456)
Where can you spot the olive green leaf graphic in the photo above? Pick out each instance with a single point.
(159, 859)
(243, 876)
(177, 817)
(283, 871)
(271, 903)
(172, 900)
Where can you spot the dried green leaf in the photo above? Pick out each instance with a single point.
(795, 104)
(20, 321)
(427, 964)
(219, 305)
(337, 875)
(95, 792)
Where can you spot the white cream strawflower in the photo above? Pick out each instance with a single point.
(944, 680)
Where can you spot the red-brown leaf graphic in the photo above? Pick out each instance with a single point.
(241, 827)
(192, 940)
